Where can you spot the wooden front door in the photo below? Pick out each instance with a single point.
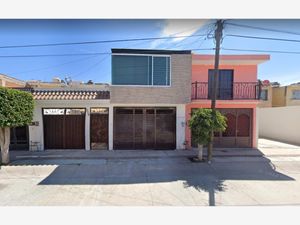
(244, 128)
(99, 128)
(144, 128)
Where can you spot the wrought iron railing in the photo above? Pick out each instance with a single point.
(239, 90)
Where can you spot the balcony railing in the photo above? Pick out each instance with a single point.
(239, 91)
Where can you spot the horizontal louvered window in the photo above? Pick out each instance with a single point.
(141, 70)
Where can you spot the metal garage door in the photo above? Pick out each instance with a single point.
(239, 129)
(144, 128)
(64, 128)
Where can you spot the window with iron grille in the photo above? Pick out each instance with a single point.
(264, 95)
(141, 70)
(296, 94)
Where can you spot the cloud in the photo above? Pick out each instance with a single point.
(283, 78)
(178, 27)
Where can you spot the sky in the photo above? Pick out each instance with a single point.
(283, 68)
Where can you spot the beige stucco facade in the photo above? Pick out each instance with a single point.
(179, 92)
(283, 96)
(36, 132)
(278, 97)
(289, 95)
(268, 101)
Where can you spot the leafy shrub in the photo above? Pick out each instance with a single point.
(203, 121)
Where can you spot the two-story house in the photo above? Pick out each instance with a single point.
(149, 91)
(238, 96)
(143, 108)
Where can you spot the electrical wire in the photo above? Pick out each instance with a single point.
(202, 39)
(54, 55)
(59, 55)
(258, 50)
(91, 67)
(53, 66)
(97, 42)
(262, 28)
(181, 43)
(263, 38)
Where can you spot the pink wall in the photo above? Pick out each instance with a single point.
(242, 73)
(245, 70)
(220, 104)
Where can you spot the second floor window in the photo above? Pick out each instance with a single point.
(296, 94)
(141, 70)
(264, 95)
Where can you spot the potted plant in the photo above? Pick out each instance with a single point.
(202, 122)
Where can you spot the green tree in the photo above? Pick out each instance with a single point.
(202, 122)
(16, 109)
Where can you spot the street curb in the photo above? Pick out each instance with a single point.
(17, 158)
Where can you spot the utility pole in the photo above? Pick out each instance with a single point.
(218, 37)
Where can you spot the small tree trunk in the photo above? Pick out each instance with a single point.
(4, 143)
(209, 152)
(200, 151)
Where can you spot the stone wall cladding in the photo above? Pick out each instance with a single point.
(178, 93)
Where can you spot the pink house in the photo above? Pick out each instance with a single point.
(237, 99)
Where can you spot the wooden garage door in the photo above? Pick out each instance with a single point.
(144, 128)
(64, 130)
(239, 129)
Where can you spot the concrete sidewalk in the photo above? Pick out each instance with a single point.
(266, 148)
(159, 178)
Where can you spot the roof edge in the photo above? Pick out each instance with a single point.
(149, 51)
(12, 79)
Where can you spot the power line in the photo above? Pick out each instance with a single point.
(202, 49)
(180, 43)
(258, 50)
(63, 55)
(54, 55)
(53, 66)
(262, 28)
(98, 42)
(208, 32)
(91, 67)
(263, 38)
(180, 32)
